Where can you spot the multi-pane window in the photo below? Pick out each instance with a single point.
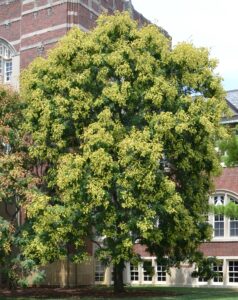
(220, 230)
(233, 222)
(134, 272)
(233, 226)
(218, 225)
(1, 68)
(202, 279)
(233, 271)
(147, 265)
(5, 63)
(218, 219)
(161, 273)
(218, 268)
(99, 271)
(8, 71)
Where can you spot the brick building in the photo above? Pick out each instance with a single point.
(28, 28)
(224, 245)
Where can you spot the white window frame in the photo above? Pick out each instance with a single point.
(235, 271)
(219, 268)
(219, 226)
(144, 271)
(161, 269)
(8, 71)
(6, 54)
(99, 272)
(235, 220)
(134, 269)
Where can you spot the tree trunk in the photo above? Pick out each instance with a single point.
(118, 277)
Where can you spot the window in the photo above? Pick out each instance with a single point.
(147, 267)
(1, 67)
(225, 227)
(201, 279)
(233, 271)
(219, 200)
(6, 54)
(8, 71)
(233, 222)
(219, 270)
(134, 272)
(99, 271)
(219, 219)
(218, 225)
(161, 273)
(233, 227)
(112, 275)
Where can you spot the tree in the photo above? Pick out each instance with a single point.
(127, 128)
(15, 178)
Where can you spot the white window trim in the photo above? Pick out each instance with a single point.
(9, 50)
(143, 270)
(99, 268)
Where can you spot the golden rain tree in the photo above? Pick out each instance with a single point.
(126, 127)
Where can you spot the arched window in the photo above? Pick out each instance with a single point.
(6, 54)
(224, 226)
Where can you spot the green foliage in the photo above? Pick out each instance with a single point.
(15, 179)
(127, 126)
(204, 267)
(5, 238)
(229, 149)
(230, 210)
(148, 268)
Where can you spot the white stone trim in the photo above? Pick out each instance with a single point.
(51, 41)
(53, 28)
(72, 13)
(10, 21)
(16, 42)
(48, 29)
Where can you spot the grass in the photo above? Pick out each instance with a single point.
(167, 293)
(185, 293)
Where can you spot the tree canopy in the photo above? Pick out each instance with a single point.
(126, 126)
(229, 148)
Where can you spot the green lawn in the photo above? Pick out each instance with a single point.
(178, 293)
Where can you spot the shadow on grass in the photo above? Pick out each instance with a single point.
(132, 293)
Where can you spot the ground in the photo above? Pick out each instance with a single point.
(138, 293)
(84, 292)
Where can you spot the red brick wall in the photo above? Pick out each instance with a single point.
(141, 250)
(10, 11)
(10, 32)
(228, 180)
(42, 20)
(220, 249)
(208, 249)
(10, 27)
